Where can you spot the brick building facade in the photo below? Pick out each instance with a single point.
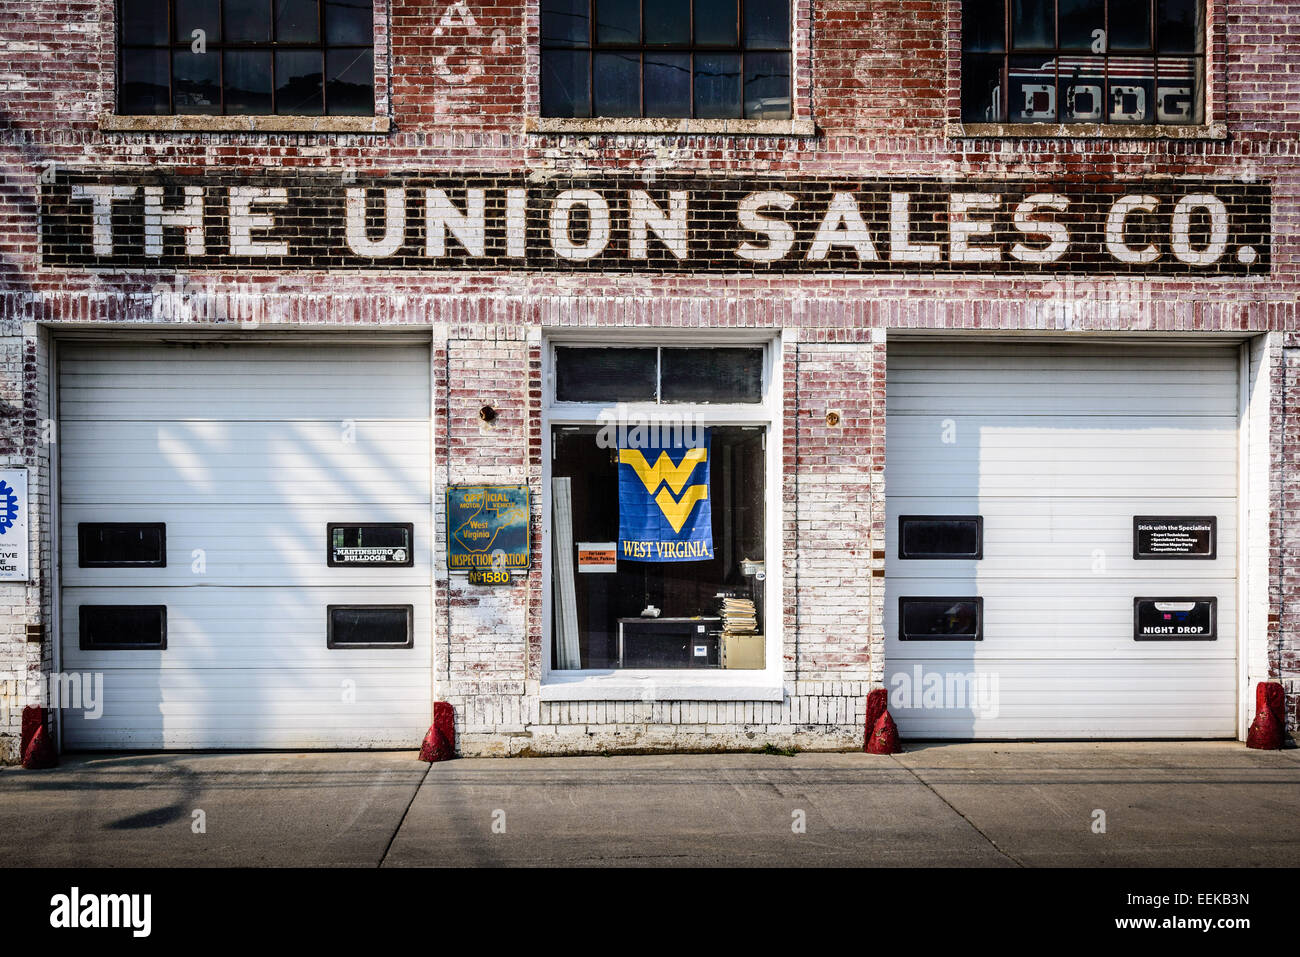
(876, 113)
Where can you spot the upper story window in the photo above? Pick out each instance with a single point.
(246, 57)
(701, 59)
(1083, 61)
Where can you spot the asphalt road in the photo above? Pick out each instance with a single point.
(1204, 804)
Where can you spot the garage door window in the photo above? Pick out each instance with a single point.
(941, 619)
(941, 537)
(370, 626)
(123, 627)
(121, 545)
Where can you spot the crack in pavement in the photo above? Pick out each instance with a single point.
(405, 811)
(974, 827)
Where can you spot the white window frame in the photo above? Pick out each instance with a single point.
(644, 684)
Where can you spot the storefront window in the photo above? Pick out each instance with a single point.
(659, 458)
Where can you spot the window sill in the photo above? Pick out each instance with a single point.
(1112, 131)
(112, 122)
(669, 126)
(714, 685)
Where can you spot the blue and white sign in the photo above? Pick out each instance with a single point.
(663, 503)
(13, 525)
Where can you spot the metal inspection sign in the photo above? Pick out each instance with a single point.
(488, 528)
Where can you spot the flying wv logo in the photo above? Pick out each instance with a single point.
(664, 510)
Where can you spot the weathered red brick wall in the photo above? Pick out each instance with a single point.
(460, 86)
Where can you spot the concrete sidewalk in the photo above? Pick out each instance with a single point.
(1211, 804)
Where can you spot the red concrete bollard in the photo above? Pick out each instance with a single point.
(33, 718)
(884, 737)
(440, 742)
(39, 753)
(1268, 730)
(877, 704)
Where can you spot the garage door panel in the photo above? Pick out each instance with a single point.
(1061, 618)
(1082, 456)
(274, 628)
(1065, 699)
(246, 462)
(1058, 447)
(1063, 537)
(247, 708)
(269, 545)
(255, 382)
(1062, 379)
(246, 453)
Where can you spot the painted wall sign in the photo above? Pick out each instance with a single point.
(1164, 537)
(598, 557)
(369, 544)
(488, 528)
(615, 222)
(1175, 619)
(13, 526)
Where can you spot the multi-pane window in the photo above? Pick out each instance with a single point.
(259, 57)
(706, 59)
(1083, 61)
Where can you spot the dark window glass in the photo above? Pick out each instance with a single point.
(247, 75)
(371, 536)
(247, 21)
(369, 545)
(712, 375)
(144, 21)
(667, 84)
(715, 22)
(767, 86)
(121, 545)
(1031, 25)
(981, 89)
(983, 26)
(940, 619)
(298, 87)
(605, 375)
(1179, 27)
(565, 23)
(260, 57)
(717, 86)
(1130, 25)
(941, 537)
(194, 15)
(122, 627)
(349, 23)
(296, 21)
(143, 87)
(617, 84)
(618, 22)
(712, 59)
(350, 87)
(196, 88)
(668, 21)
(370, 626)
(1082, 24)
(767, 24)
(1083, 61)
(566, 83)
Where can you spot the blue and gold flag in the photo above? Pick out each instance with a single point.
(663, 503)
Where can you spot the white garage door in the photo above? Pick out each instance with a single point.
(244, 454)
(1057, 449)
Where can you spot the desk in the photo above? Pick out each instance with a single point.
(668, 642)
